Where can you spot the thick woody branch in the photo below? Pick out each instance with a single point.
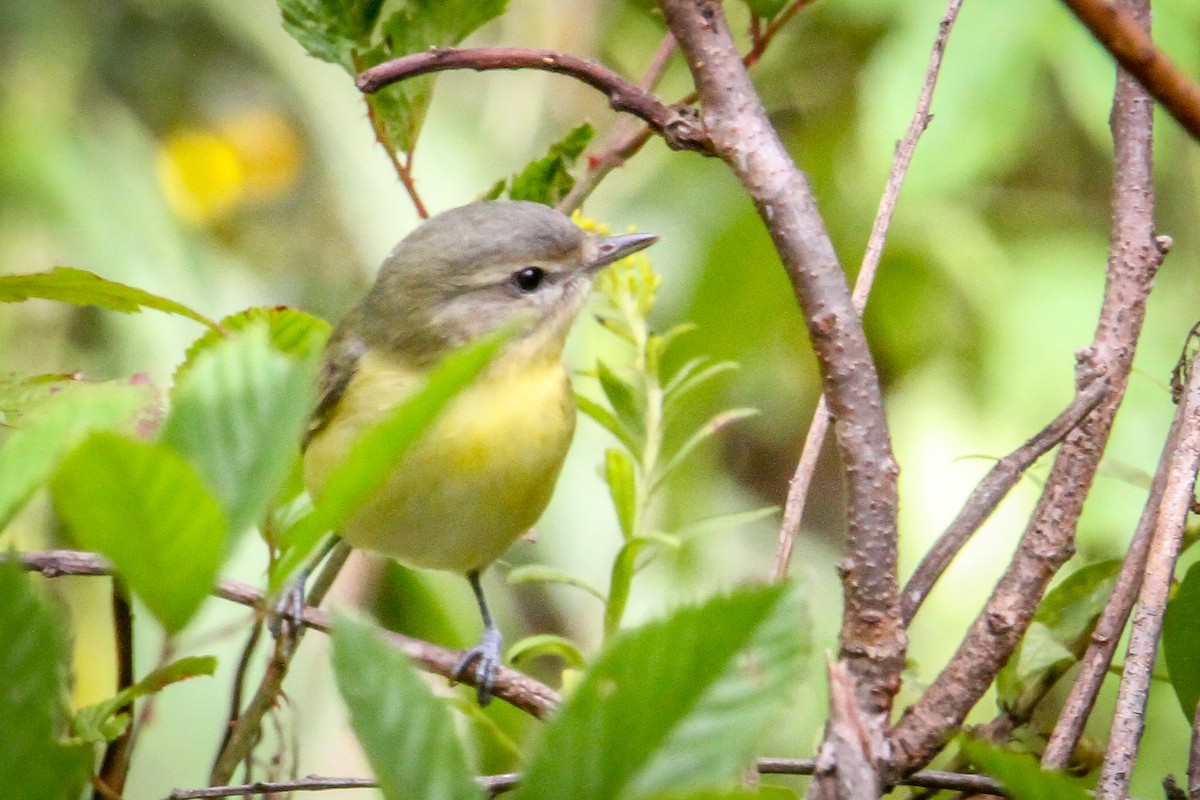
(1049, 538)
(1130, 44)
(873, 640)
(513, 687)
(677, 125)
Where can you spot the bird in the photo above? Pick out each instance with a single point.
(484, 472)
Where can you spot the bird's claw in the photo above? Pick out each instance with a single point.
(486, 658)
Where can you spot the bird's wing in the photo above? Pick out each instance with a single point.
(342, 357)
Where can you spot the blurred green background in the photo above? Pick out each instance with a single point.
(191, 148)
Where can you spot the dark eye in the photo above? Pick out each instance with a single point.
(529, 279)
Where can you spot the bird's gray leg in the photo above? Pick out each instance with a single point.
(486, 654)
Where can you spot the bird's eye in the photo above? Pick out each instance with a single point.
(528, 280)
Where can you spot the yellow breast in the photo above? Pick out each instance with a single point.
(478, 479)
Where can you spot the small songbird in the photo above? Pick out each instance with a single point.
(484, 472)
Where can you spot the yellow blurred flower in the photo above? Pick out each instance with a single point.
(206, 173)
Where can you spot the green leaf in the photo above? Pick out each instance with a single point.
(34, 764)
(673, 334)
(690, 377)
(147, 511)
(547, 644)
(49, 430)
(540, 573)
(406, 733)
(548, 180)
(1021, 775)
(676, 705)
(1181, 641)
(706, 431)
(622, 486)
(1061, 629)
(379, 450)
(626, 403)
(101, 722)
(20, 393)
(83, 288)
(331, 29)
(399, 110)
(606, 420)
(724, 522)
(292, 332)
(624, 567)
(238, 415)
(616, 326)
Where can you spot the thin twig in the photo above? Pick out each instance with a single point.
(114, 767)
(496, 784)
(801, 481)
(625, 139)
(1094, 665)
(768, 33)
(1129, 719)
(403, 169)
(1130, 44)
(846, 764)
(243, 733)
(994, 487)
(515, 688)
(679, 127)
(617, 150)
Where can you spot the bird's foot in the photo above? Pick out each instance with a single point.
(486, 658)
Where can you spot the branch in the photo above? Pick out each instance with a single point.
(498, 784)
(1130, 44)
(1049, 538)
(988, 494)
(114, 767)
(1106, 636)
(676, 124)
(1129, 719)
(518, 689)
(243, 730)
(793, 510)
(623, 145)
(872, 639)
(622, 142)
(845, 768)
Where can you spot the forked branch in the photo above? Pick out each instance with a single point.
(678, 125)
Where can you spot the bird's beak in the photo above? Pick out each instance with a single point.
(614, 248)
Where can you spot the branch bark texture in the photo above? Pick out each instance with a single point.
(1129, 721)
(793, 510)
(1098, 658)
(873, 640)
(1049, 538)
(517, 689)
(676, 124)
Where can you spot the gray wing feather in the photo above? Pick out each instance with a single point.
(341, 362)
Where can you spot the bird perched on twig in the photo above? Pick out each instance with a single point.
(484, 472)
